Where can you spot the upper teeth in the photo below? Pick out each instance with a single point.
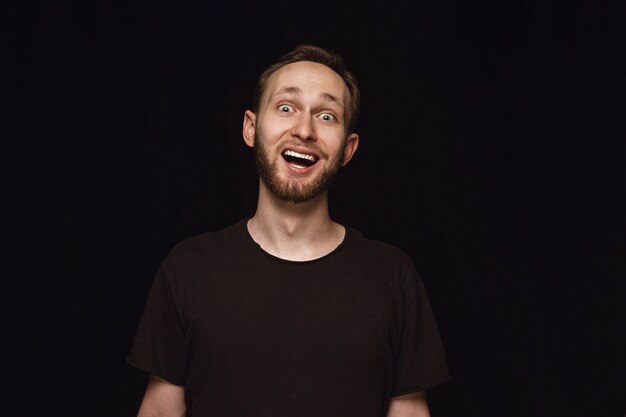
(300, 155)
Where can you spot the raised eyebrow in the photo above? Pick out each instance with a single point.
(289, 90)
(298, 91)
(331, 98)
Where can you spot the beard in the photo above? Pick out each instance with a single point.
(288, 189)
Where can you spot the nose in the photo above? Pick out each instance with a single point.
(304, 128)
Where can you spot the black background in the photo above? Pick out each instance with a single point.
(491, 152)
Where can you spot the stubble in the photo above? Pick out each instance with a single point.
(291, 190)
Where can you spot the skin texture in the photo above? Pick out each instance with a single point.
(409, 405)
(162, 399)
(302, 109)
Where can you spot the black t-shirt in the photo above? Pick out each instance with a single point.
(252, 335)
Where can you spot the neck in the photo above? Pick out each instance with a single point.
(294, 231)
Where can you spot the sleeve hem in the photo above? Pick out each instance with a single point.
(174, 379)
(421, 387)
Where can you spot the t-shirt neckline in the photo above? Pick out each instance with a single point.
(250, 239)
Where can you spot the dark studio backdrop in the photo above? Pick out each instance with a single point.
(491, 152)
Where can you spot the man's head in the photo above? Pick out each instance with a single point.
(299, 126)
(321, 56)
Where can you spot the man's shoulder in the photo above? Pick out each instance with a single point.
(377, 250)
(208, 244)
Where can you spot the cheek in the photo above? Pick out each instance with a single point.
(273, 129)
(339, 143)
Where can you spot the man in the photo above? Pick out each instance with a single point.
(289, 313)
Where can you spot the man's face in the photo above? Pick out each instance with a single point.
(299, 134)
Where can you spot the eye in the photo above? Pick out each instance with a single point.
(327, 117)
(285, 108)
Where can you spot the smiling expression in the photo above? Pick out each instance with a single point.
(299, 134)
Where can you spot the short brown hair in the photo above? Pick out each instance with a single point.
(321, 56)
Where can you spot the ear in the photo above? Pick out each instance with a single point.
(350, 148)
(249, 127)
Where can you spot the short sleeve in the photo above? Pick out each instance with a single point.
(421, 361)
(159, 343)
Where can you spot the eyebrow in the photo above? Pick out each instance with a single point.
(289, 90)
(330, 97)
(297, 91)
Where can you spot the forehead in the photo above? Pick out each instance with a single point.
(310, 77)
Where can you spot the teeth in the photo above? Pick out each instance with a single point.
(300, 155)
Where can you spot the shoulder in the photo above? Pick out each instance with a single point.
(388, 263)
(380, 258)
(376, 250)
(200, 251)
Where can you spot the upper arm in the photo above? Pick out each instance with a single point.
(162, 399)
(409, 405)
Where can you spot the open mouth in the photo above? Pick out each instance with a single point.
(300, 160)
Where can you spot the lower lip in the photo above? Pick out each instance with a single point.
(297, 169)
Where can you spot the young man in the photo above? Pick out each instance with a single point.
(289, 313)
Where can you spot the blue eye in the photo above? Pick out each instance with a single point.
(327, 117)
(285, 108)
